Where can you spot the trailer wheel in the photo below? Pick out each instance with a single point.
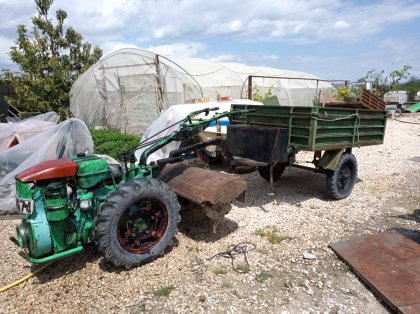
(277, 171)
(137, 222)
(340, 182)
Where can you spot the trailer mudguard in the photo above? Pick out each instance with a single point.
(330, 159)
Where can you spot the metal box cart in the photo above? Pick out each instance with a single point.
(331, 133)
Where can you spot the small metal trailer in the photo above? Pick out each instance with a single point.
(269, 137)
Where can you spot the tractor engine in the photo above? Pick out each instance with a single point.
(58, 200)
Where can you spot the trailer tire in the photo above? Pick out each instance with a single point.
(340, 182)
(277, 172)
(137, 222)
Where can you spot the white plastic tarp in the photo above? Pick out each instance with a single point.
(175, 114)
(22, 130)
(62, 140)
(49, 116)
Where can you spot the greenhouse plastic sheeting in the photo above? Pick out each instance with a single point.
(177, 113)
(14, 133)
(49, 116)
(62, 140)
(128, 89)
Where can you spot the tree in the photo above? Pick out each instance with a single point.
(50, 59)
(385, 83)
(412, 86)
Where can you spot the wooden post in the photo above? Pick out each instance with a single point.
(250, 87)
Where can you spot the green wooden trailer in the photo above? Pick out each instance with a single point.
(330, 133)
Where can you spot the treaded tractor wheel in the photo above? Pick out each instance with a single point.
(277, 171)
(137, 222)
(340, 182)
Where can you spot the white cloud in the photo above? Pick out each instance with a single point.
(5, 44)
(391, 54)
(226, 58)
(201, 28)
(166, 19)
(179, 50)
(13, 13)
(112, 46)
(269, 57)
(230, 27)
(341, 25)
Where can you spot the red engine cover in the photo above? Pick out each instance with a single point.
(50, 169)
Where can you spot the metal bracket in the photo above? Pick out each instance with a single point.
(330, 159)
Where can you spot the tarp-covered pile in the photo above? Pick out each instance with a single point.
(177, 113)
(61, 140)
(14, 133)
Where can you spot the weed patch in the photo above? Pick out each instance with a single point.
(164, 292)
(272, 235)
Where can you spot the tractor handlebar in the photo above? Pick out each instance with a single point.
(197, 112)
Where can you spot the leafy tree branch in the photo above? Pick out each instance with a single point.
(50, 58)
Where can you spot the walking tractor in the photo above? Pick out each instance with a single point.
(131, 215)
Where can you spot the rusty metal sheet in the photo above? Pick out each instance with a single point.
(200, 185)
(389, 263)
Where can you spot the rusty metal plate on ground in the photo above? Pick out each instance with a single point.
(200, 185)
(389, 263)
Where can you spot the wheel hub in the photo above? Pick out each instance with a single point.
(142, 225)
(344, 177)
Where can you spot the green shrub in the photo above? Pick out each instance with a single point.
(112, 143)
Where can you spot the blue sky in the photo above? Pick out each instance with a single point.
(330, 39)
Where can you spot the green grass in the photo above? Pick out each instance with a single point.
(164, 292)
(243, 268)
(344, 268)
(226, 285)
(272, 235)
(236, 294)
(112, 143)
(263, 251)
(220, 271)
(193, 249)
(263, 276)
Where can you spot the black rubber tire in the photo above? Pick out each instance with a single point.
(277, 172)
(340, 182)
(107, 221)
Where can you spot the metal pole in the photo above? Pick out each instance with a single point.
(159, 83)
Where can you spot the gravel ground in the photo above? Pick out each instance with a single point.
(278, 280)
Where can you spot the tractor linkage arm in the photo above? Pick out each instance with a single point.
(188, 130)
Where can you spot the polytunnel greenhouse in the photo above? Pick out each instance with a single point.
(128, 89)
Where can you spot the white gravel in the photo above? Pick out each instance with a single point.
(280, 279)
